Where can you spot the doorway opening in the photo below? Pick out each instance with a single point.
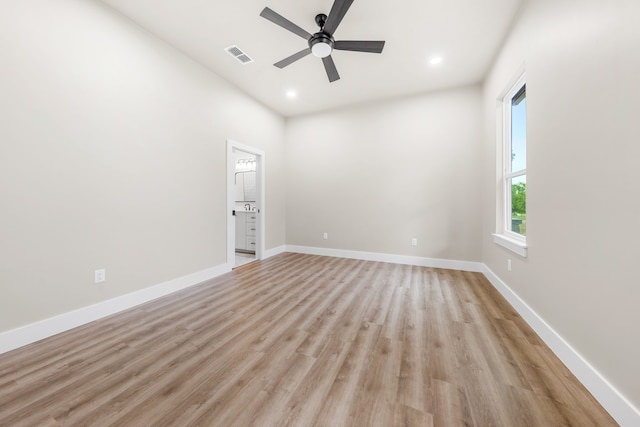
(245, 201)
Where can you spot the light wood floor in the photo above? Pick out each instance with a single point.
(302, 340)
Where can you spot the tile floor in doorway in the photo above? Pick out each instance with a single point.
(242, 258)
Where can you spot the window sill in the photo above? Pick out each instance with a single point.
(513, 245)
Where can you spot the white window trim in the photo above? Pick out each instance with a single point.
(504, 237)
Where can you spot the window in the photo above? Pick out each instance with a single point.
(515, 162)
(512, 234)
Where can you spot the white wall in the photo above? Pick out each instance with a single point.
(582, 61)
(113, 155)
(375, 176)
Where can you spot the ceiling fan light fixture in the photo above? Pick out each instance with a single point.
(321, 50)
(321, 45)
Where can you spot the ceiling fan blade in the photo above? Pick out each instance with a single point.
(360, 46)
(331, 69)
(284, 23)
(293, 58)
(338, 10)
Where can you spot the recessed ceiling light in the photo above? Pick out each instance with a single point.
(291, 94)
(435, 60)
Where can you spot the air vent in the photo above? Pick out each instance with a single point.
(242, 57)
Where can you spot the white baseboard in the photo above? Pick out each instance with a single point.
(611, 399)
(28, 334)
(274, 251)
(396, 259)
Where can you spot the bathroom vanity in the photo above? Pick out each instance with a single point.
(246, 231)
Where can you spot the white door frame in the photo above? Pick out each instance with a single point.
(231, 200)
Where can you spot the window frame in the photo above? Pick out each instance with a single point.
(505, 236)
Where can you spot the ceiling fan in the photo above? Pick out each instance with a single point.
(322, 43)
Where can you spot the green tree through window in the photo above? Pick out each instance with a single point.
(519, 198)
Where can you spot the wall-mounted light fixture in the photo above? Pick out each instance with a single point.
(246, 165)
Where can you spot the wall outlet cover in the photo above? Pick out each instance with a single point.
(100, 275)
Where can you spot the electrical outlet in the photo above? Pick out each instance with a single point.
(325, 236)
(509, 264)
(414, 241)
(100, 275)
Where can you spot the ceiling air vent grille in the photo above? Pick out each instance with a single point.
(242, 57)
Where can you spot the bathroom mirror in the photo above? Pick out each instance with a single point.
(246, 186)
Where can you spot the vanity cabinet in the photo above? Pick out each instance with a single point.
(246, 231)
(251, 218)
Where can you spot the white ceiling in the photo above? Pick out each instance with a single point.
(466, 33)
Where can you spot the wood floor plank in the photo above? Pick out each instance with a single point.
(521, 406)
(378, 310)
(409, 417)
(338, 401)
(450, 406)
(308, 398)
(302, 340)
(378, 386)
(330, 310)
(413, 381)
